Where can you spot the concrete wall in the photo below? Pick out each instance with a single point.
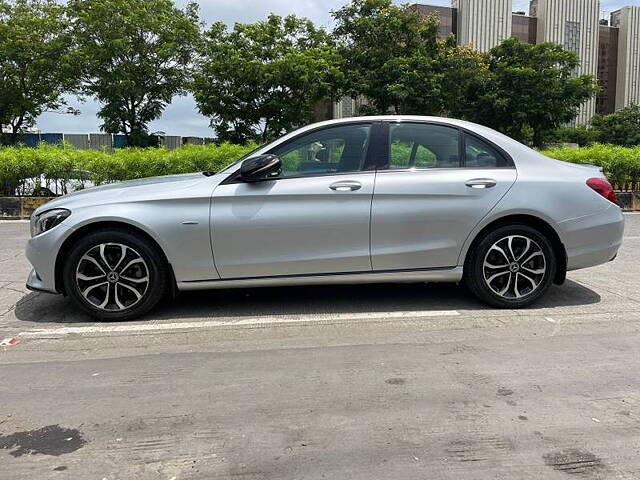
(14, 208)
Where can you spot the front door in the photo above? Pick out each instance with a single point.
(312, 218)
(437, 185)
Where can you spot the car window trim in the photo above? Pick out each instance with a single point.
(412, 168)
(505, 156)
(461, 148)
(235, 176)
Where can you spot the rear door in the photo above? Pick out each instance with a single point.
(435, 186)
(311, 218)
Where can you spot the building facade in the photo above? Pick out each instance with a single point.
(607, 69)
(483, 23)
(574, 24)
(627, 21)
(524, 28)
(608, 50)
(448, 17)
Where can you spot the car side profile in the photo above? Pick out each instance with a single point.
(359, 200)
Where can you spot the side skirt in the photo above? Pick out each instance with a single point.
(410, 276)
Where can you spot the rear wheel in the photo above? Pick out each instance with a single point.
(510, 267)
(115, 275)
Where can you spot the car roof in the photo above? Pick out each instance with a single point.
(394, 118)
(474, 127)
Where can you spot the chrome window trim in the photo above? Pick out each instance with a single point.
(462, 131)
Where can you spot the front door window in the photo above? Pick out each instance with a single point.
(333, 150)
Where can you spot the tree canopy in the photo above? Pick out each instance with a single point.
(260, 80)
(135, 57)
(531, 87)
(36, 61)
(620, 128)
(389, 56)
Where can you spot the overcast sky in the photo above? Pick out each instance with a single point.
(181, 117)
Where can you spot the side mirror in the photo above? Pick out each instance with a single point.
(259, 168)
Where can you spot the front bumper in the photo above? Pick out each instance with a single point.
(35, 283)
(42, 252)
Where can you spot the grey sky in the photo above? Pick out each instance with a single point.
(181, 117)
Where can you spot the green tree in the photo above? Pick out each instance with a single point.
(259, 80)
(531, 89)
(135, 57)
(619, 128)
(36, 61)
(464, 73)
(390, 55)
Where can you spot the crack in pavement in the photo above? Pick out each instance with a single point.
(7, 287)
(11, 258)
(26, 298)
(596, 287)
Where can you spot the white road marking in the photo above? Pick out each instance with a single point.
(154, 327)
(549, 319)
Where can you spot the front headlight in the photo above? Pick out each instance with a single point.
(47, 220)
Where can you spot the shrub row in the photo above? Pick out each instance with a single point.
(65, 168)
(621, 165)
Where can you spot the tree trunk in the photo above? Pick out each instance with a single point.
(13, 136)
(537, 138)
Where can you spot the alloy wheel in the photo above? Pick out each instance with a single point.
(112, 277)
(514, 267)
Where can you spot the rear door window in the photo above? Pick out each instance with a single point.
(416, 145)
(479, 154)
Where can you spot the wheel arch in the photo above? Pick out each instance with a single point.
(102, 225)
(535, 222)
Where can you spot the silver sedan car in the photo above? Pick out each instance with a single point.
(359, 200)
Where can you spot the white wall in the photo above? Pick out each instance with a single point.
(628, 89)
(553, 16)
(483, 23)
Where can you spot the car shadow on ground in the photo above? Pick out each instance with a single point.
(304, 300)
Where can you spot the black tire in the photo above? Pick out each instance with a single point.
(148, 294)
(476, 274)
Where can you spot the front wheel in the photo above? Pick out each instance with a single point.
(115, 275)
(510, 267)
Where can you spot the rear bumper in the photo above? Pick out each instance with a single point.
(594, 239)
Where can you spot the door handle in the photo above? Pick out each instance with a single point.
(346, 186)
(481, 183)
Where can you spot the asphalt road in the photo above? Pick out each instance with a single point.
(355, 382)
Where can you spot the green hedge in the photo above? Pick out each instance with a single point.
(621, 165)
(67, 169)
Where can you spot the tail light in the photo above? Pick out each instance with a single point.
(604, 188)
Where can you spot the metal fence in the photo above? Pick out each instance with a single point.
(105, 141)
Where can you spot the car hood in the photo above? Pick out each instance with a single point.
(134, 190)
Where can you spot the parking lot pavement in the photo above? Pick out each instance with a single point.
(372, 381)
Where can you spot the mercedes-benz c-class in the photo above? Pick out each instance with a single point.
(359, 200)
